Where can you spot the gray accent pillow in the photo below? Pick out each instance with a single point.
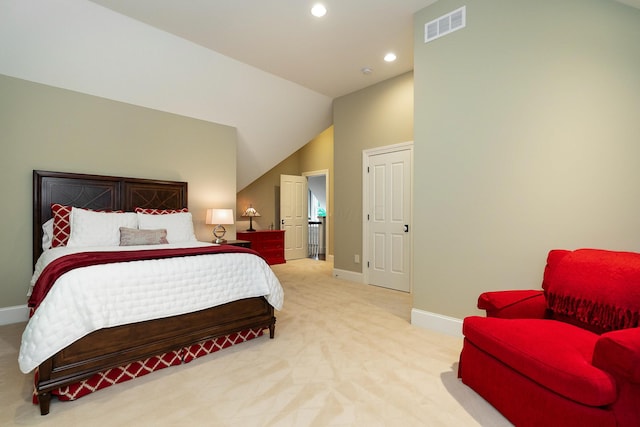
(133, 236)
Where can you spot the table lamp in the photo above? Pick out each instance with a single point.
(250, 212)
(219, 217)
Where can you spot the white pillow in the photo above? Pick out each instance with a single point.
(47, 235)
(90, 228)
(179, 226)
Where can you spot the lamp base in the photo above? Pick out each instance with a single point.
(219, 232)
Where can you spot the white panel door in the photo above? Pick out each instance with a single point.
(294, 218)
(389, 220)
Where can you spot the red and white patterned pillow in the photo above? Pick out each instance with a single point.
(62, 223)
(151, 211)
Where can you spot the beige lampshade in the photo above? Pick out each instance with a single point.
(219, 216)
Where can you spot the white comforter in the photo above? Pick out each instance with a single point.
(100, 296)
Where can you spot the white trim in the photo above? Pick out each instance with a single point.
(366, 154)
(436, 322)
(316, 173)
(347, 275)
(407, 145)
(15, 314)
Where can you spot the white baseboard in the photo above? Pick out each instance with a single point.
(351, 276)
(15, 314)
(436, 322)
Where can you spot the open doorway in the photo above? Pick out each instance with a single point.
(318, 200)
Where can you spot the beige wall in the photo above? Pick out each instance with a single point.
(55, 129)
(527, 138)
(264, 193)
(377, 116)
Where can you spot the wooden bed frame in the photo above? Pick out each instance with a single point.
(112, 347)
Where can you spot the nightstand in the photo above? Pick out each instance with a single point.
(268, 243)
(243, 243)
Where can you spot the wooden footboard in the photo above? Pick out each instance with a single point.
(117, 346)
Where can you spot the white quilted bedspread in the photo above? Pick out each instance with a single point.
(90, 298)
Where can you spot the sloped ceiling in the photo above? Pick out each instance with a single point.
(81, 46)
(267, 68)
(281, 37)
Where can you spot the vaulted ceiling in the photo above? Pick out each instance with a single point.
(268, 68)
(282, 37)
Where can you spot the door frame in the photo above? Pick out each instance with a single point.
(324, 172)
(366, 154)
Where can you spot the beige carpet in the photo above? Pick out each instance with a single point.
(344, 355)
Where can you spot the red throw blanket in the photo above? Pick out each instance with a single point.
(596, 287)
(66, 263)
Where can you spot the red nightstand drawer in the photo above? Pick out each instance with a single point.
(268, 243)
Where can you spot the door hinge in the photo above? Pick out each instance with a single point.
(368, 169)
(367, 264)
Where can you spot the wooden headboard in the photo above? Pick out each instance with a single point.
(99, 192)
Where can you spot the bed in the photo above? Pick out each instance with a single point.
(149, 344)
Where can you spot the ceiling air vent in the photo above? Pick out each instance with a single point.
(445, 24)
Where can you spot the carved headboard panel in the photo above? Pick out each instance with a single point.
(99, 192)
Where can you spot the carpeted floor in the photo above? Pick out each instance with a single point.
(344, 355)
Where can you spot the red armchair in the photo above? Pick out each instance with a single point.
(568, 355)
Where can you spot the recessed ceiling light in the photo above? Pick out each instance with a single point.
(390, 57)
(318, 10)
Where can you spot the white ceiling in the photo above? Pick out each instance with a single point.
(282, 37)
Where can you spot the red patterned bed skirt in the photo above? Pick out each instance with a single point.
(143, 367)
